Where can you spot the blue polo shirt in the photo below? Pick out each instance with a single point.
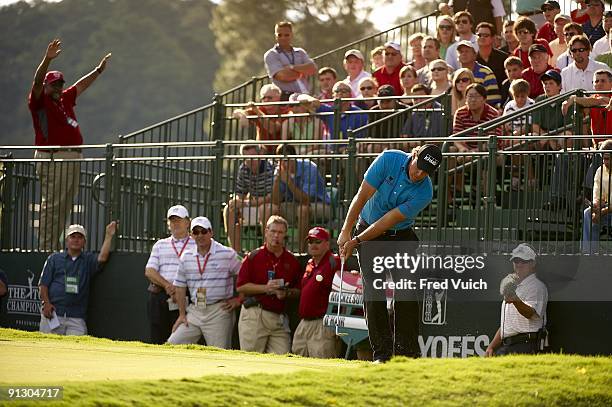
(348, 121)
(57, 266)
(308, 179)
(394, 189)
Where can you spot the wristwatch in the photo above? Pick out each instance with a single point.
(358, 240)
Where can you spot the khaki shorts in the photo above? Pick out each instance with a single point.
(319, 212)
(313, 339)
(263, 331)
(214, 323)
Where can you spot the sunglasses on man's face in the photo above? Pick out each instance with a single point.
(438, 68)
(314, 241)
(517, 260)
(463, 21)
(366, 88)
(197, 232)
(483, 35)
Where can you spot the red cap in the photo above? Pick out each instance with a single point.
(53, 76)
(318, 233)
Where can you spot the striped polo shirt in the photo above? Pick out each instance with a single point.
(165, 255)
(259, 184)
(485, 76)
(218, 269)
(464, 120)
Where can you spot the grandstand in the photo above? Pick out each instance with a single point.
(193, 159)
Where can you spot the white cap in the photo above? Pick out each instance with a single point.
(523, 251)
(562, 17)
(354, 52)
(465, 43)
(178, 210)
(76, 229)
(202, 222)
(394, 45)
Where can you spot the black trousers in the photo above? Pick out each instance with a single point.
(160, 318)
(397, 335)
(524, 348)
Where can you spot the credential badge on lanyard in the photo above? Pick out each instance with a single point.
(72, 284)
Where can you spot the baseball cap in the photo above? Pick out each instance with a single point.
(551, 74)
(53, 76)
(386, 90)
(355, 53)
(318, 233)
(537, 48)
(202, 222)
(562, 17)
(394, 45)
(429, 158)
(76, 229)
(465, 43)
(523, 251)
(550, 3)
(178, 210)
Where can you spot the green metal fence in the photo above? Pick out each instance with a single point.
(485, 213)
(199, 124)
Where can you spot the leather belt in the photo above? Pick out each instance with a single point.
(521, 338)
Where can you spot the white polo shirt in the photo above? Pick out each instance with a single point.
(214, 271)
(354, 84)
(165, 255)
(574, 78)
(451, 52)
(533, 293)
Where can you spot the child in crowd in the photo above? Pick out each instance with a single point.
(514, 68)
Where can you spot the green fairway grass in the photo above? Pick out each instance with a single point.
(100, 372)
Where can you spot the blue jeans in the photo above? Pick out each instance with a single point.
(591, 231)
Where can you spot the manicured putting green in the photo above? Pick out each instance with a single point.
(91, 359)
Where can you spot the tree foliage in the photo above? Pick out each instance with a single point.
(244, 30)
(163, 61)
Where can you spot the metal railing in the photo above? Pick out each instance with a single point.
(485, 211)
(198, 124)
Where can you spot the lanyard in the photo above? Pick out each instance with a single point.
(290, 57)
(200, 267)
(182, 250)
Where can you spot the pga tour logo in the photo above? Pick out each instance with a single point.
(434, 306)
(430, 160)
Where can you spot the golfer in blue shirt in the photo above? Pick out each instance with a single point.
(396, 187)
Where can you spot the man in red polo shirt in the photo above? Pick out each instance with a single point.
(268, 276)
(388, 74)
(538, 64)
(311, 338)
(55, 124)
(601, 118)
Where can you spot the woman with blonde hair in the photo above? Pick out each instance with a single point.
(439, 76)
(462, 78)
(369, 89)
(445, 33)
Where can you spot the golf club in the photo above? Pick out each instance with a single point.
(338, 333)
